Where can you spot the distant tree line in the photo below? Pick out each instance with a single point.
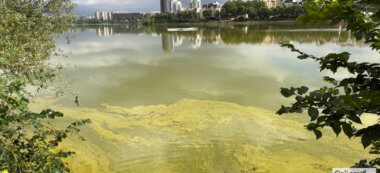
(257, 10)
(232, 10)
(183, 16)
(82, 20)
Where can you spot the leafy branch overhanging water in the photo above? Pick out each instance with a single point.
(341, 105)
(28, 140)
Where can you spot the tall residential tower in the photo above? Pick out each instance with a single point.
(166, 6)
(176, 6)
(195, 5)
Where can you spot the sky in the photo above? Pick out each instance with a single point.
(88, 7)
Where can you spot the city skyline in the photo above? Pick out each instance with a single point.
(89, 7)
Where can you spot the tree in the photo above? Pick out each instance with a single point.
(207, 14)
(282, 13)
(182, 16)
(257, 9)
(148, 19)
(240, 8)
(234, 9)
(217, 14)
(229, 9)
(341, 104)
(28, 143)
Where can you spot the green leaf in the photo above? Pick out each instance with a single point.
(330, 80)
(282, 110)
(312, 126)
(355, 119)
(318, 134)
(303, 56)
(299, 98)
(347, 90)
(287, 92)
(348, 130)
(313, 113)
(336, 128)
(366, 140)
(361, 132)
(287, 45)
(302, 90)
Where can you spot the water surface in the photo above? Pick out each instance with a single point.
(198, 101)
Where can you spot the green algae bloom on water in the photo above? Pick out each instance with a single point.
(201, 136)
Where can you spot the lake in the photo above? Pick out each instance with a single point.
(201, 101)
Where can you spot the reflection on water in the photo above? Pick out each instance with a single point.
(104, 31)
(172, 40)
(236, 35)
(136, 65)
(198, 101)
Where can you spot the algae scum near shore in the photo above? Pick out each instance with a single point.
(201, 136)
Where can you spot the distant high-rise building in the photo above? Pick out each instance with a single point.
(118, 16)
(109, 16)
(214, 7)
(97, 15)
(274, 3)
(166, 6)
(101, 15)
(286, 3)
(195, 5)
(176, 6)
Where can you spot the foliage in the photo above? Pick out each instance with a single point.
(92, 21)
(182, 16)
(83, 20)
(341, 105)
(281, 13)
(28, 141)
(229, 9)
(257, 10)
(207, 14)
(148, 19)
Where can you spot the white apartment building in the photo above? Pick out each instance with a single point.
(102, 15)
(214, 7)
(195, 5)
(286, 3)
(274, 3)
(176, 6)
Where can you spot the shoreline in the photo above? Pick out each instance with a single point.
(200, 23)
(214, 24)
